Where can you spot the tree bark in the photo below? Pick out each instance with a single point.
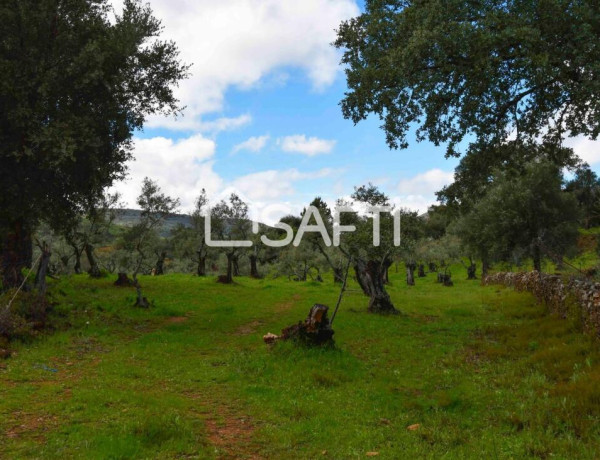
(421, 273)
(253, 266)
(370, 278)
(159, 268)
(537, 258)
(236, 266)
(410, 273)
(42, 271)
(16, 254)
(485, 264)
(77, 254)
(229, 276)
(471, 271)
(338, 275)
(94, 270)
(201, 270)
(387, 263)
(140, 301)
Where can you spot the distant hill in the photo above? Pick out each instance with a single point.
(130, 217)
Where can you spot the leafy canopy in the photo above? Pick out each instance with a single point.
(76, 83)
(478, 69)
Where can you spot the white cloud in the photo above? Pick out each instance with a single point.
(253, 144)
(426, 183)
(311, 146)
(588, 150)
(237, 43)
(222, 124)
(273, 184)
(181, 168)
(418, 193)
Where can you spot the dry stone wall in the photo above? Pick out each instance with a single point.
(563, 297)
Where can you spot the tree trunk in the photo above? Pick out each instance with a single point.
(338, 275)
(485, 264)
(16, 254)
(229, 276)
(370, 278)
(387, 263)
(94, 270)
(410, 273)
(253, 266)
(159, 268)
(421, 273)
(201, 271)
(42, 271)
(140, 301)
(236, 266)
(471, 271)
(537, 258)
(77, 254)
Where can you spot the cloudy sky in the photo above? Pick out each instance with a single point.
(262, 115)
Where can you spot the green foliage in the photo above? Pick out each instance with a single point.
(461, 70)
(529, 213)
(141, 239)
(76, 84)
(586, 187)
(477, 170)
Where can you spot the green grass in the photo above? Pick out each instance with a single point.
(482, 370)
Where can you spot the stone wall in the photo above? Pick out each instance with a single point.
(566, 298)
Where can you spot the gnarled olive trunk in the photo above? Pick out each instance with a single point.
(253, 266)
(16, 254)
(42, 271)
(77, 254)
(201, 269)
(471, 271)
(410, 273)
(236, 265)
(485, 263)
(537, 257)
(387, 263)
(229, 276)
(94, 270)
(370, 278)
(159, 268)
(338, 275)
(421, 272)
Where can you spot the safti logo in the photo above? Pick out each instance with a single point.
(373, 212)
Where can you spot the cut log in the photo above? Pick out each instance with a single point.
(314, 330)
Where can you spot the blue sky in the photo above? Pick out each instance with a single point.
(263, 116)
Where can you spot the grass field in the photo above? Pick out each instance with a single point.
(474, 372)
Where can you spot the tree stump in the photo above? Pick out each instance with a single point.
(314, 330)
(123, 280)
(445, 279)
